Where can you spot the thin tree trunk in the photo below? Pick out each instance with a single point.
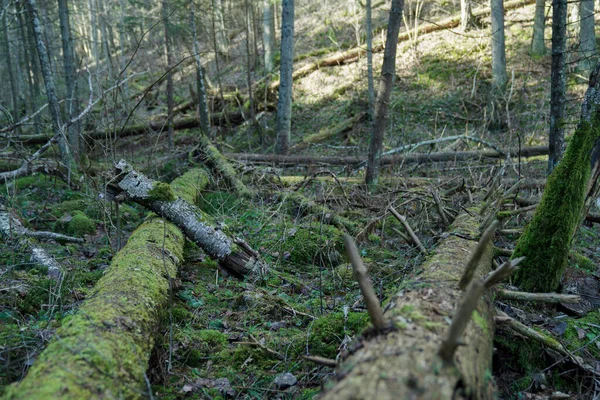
(35, 73)
(105, 37)
(371, 86)
(587, 37)
(202, 103)
(498, 49)
(9, 66)
(49, 83)
(268, 27)
(249, 62)
(93, 30)
(547, 239)
(220, 35)
(538, 45)
(123, 58)
(284, 103)
(386, 82)
(467, 20)
(557, 82)
(69, 68)
(169, 55)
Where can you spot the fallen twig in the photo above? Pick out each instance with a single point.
(543, 297)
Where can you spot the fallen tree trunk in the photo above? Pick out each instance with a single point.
(354, 54)
(12, 230)
(327, 133)
(403, 363)
(139, 129)
(103, 350)
(232, 254)
(395, 159)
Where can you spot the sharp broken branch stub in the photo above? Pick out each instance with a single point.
(409, 230)
(476, 256)
(502, 272)
(360, 274)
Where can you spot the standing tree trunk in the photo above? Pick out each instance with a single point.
(268, 26)
(202, 103)
(386, 82)
(34, 68)
(538, 45)
(9, 67)
(371, 86)
(249, 60)
(53, 105)
(169, 55)
(123, 58)
(557, 82)
(284, 103)
(69, 68)
(219, 29)
(467, 20)
(547, 239)
(498, 49)
(94, 29)
(587, 37)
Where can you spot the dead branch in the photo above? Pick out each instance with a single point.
(541, 297)
(408, 229)
(483, 244)
(360, 274)
(502, 272)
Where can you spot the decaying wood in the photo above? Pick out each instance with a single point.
(354, 54)
(360, 274)
(403, 363)
(232, 253)
(413, 237)
(395, 159)
(208, 154)
(541, 297)
(12, 230)
(325, 214)
(103, 350)
(327, 133)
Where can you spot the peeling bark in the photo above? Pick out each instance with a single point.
(403, 363)
(103, 350)
(232, 254)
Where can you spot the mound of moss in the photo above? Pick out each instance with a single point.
(328, 332)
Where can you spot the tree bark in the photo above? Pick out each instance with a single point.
(53, 105)
(370, 84)
(403, 362)
(467, 20)
(538, 45)
(557, 83)
(169, 57)
(547, 239)
(232, 254)
(587, 37)
(268, 26)
(9, 66)
(386, 83)
(104, 349)
(284, 104)
(202, 103)
(69, 69)
(498, 49)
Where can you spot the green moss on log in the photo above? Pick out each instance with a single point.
(103, 350)
(547, 238)
(328, 332)
(161, 192)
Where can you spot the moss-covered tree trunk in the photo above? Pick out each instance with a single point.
(547, 239)
(403, 363)
(103, 350)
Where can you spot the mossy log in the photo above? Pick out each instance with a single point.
(395, 159)
(307, 206)
(327, 133)
(208, 154)
(103, 350)
(547, 239)
(12, 230)
(232, 253)
(404, 363)
(354, 54)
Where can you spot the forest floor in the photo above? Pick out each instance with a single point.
(225, 337)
